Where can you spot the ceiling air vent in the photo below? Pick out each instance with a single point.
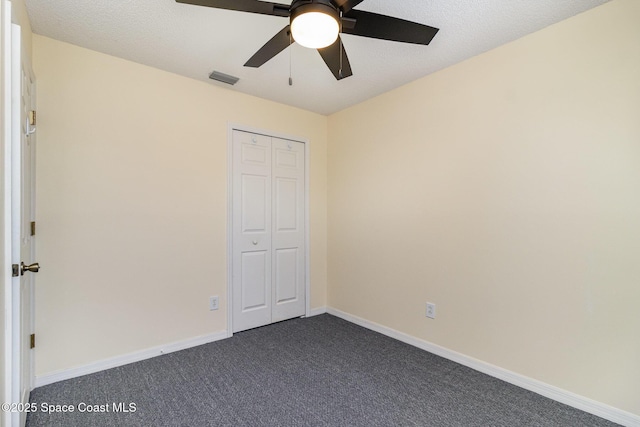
(224, 78)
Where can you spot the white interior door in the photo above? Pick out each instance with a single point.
(251, 231)
(268, 230)
(22, 192)
(27, 236)
(288, 230)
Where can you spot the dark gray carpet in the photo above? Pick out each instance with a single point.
(321, 371)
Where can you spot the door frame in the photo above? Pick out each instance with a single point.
(5, 216)
(307, 282)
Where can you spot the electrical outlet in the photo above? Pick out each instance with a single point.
(213, 303)
(431, 310)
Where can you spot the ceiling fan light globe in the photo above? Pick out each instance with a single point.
(315, 30)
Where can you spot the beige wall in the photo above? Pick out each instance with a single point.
(20, 17)
(504, 189)
(132, 203)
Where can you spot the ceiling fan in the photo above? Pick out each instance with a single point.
(316, 24)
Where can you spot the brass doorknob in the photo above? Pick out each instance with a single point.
(34, 268)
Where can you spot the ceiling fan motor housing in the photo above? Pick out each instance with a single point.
(299, 7)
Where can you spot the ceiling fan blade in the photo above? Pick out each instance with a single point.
(253, 6)
(277, 44)
(346, 5)
(331, 55)
(368, 24)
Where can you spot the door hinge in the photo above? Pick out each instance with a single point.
(32, 117)
(33, 340)
(33, 228)
(15, 270)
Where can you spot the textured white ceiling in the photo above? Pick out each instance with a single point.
(193, 41)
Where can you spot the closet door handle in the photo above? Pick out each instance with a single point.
(255, 242)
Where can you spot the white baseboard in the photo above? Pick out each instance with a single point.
(568, 398)
(317, 311)
(125, 359)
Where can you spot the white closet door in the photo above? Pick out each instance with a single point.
(252, 292)
(268, 230)
(288, 245)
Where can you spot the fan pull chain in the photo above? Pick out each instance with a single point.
(290, 55)
(340, 41)
(340, 72)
